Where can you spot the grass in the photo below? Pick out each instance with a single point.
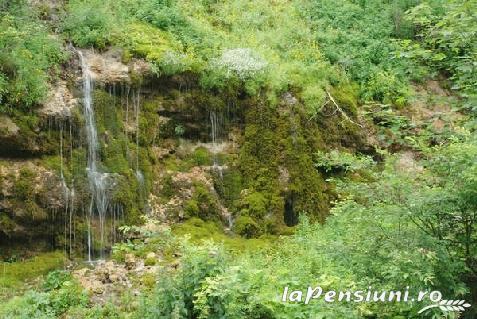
(17, 275)
(200, 231)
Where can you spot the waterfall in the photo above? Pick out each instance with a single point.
(139, 175)
(214, 134)
(98, 181)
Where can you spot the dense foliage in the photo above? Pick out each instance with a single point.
(29, 56)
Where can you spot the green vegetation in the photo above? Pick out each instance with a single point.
(14, 274)
(405, 252)
(446, 41)
(52, 302)
(29, 57)
(335, 161)
(89, 23)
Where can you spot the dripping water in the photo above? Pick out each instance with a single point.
(98, 181)
(216, 133)
(139, 175)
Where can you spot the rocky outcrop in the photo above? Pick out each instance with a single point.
(108, 279)
(189, 197)
(30, 195)
(108, 67)
(13, 139)
(59, 104)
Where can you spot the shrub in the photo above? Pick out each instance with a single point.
(247, 227)
(90, 23)
(29, 57)
(446, 37)
(254, 204)
(201, 157)
(56, 279)
(336, 161)
(163, 14)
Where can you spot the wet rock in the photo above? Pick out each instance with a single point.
(105, 279)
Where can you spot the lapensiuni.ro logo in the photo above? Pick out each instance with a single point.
(429, 300)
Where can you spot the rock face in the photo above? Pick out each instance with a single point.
(60, 102)
(8, 128)
(16, 140)
(108, 68)
(30, 195)
(186, 185)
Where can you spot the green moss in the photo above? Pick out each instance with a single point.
(126, 195)
(119, 155)
(203, 204)
(247, 227)
(191, 208)
(229, 185)
(150, 261)
(15, 274)
(148, 280)
(168, 190)
(6, 224)
(171, 163)
(107, 113)
(24, 184)
(149, 122)
(346, 95)
(276, 160)
(199, 230)
(159, 47)
(254, 205)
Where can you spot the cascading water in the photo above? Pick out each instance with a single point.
(139, 175)
(215, 126)
(216, 132)
(99, 182)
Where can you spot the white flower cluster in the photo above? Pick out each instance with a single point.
(173, 60)
(241, 61)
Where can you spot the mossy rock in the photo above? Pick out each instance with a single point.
(254, 204)
(247, 227)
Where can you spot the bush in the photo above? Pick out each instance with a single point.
(247, 227)
(56, 279)
(335, 161)
(29, 57)
(173, 296)
(445, 41)
(201, 157)
(254, 204)
(344, 36)
(90, 23)
(45, 305)
(163, 14)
